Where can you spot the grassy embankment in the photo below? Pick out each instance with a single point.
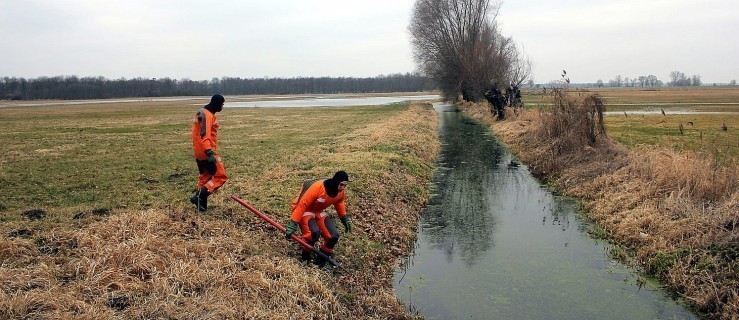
(669, 199)
(96, 223)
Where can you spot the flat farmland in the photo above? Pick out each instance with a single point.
(701, 119)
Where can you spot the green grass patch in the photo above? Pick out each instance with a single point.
(697, 132)
(68, 159)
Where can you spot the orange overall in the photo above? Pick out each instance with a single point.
(205, 136)
(310, 205)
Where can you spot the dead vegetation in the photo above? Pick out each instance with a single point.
(169, 262)
(675, 212)
(157, 264)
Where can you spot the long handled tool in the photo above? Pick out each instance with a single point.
(282, 229)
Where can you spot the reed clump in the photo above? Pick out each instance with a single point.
(675, 212)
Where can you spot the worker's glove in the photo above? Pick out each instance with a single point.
(291, 228)
(347, 223)
(211, 155)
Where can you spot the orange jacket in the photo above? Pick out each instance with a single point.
(315, 200)
(204, 133)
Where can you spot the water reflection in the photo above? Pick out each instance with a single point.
(495, 244)
(456, 219)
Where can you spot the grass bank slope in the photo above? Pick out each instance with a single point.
(674, 212)
(98, 225)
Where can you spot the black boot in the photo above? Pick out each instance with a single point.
(200, 199)
(306, 256)
(321, 261)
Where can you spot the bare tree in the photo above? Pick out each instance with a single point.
(679, 79)
(457, 44)
(696, 80)
(652, 80)
(616, 82)
(522, 69)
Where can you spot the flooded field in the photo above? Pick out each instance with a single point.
(330, 102)
(287, 101)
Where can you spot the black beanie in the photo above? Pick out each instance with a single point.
(332, 185)
(216, 103)
(217, 99)
(340, 176)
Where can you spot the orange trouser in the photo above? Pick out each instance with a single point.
(212, 175)
(314, 226)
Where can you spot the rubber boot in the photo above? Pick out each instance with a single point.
(320, 261)
(306, 256)
(200, 199)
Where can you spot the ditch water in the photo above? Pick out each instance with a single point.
(494, 243)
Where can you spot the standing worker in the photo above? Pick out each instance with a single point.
(517, 97)
(204, 143)
(308, 213)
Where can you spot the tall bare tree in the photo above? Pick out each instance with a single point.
(457, 44)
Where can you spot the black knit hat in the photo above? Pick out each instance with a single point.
(340, 176)
(217, 100)
(216, 103)
(332, 185)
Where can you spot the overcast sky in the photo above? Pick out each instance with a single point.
(591, 39)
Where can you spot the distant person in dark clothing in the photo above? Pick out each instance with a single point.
(509, 96)
(517, 97)
(497, 101)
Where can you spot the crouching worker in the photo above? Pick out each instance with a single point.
(204, 143)
(308, 213)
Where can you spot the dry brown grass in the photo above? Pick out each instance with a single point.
(168, 262)
(157, 264)
(676, 213)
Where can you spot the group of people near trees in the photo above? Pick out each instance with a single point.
(308, 207)
(499, 100)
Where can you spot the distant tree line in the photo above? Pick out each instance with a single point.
(678, 79)
(73, 87)
(640, 81)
